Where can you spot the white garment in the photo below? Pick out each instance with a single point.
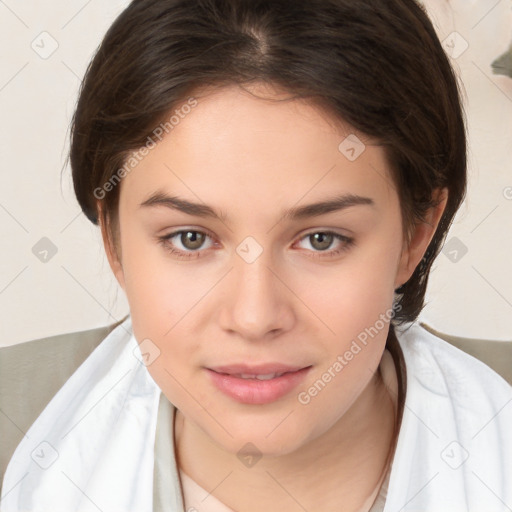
(96, 436)
(454, 450)
(100, 429)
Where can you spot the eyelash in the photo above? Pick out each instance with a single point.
(186, 255)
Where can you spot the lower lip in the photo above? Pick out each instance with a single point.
(254, 391)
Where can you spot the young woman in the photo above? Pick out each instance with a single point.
(273, 180)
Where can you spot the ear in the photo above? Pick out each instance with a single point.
(421, 237)
(113, 253)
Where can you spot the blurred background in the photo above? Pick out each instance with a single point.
(54, 275)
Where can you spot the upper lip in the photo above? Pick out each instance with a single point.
(257, 369)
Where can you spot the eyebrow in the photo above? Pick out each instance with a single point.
(330, 205)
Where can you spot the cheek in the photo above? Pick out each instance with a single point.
(352, 294)
(356, 306)
(161, 298)
(161, 311)
(159, 291)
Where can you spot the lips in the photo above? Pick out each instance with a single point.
(257, 384)
(253, 370)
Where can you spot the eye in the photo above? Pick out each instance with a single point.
(191, 240)
(321, 241)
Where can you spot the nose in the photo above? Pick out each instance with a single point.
(258, 304)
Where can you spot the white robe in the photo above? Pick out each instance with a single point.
(454, 450)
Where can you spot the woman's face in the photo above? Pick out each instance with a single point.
(289, 253)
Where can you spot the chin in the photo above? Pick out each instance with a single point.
(271, 438)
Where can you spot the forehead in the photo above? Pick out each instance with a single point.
(259, 114)
(259, 144)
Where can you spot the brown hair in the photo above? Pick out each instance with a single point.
(375, 64)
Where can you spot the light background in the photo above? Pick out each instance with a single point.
(470, 290)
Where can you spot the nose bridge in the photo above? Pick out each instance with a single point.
(257, 302)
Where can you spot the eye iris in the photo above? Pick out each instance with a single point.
(192, 239)
(324, 239)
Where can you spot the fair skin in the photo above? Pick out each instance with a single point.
(297, 303)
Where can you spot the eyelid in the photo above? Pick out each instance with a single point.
(328, 231)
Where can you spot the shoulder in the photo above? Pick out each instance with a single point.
(62, 352)
(457, 421)
(437, 366)
(458, 395)
(440, 364)
(37, 364)
(31, 373)
(50, 348)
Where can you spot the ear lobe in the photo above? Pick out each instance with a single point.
(413, 252)
(111, 252)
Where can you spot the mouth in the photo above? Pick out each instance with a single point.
(257, 384)
(267, 376)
